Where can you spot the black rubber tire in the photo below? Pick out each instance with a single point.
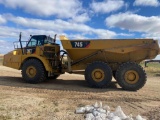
(107, 74)
(40, 71)
(120, 76)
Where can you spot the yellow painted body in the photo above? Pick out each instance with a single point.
(112, 51)
(108, 55)
(15, 58)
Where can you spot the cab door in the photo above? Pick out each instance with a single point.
(37, 40)
(31, 46)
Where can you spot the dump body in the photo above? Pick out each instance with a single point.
(110, 50)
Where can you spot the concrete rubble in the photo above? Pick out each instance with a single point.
(100, 112)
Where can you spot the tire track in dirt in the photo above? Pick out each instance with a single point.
(71, 91)
(153, 114)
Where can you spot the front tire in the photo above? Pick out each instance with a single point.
(33, 71)
(131, 76)
(98, 74)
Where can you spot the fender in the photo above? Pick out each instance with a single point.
(44, 61)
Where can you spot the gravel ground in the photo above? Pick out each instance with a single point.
(58, 99)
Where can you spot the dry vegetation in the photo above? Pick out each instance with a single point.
(153, 69)
(58, 99)
(1, 59)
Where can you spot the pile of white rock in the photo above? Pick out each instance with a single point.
(100, 112)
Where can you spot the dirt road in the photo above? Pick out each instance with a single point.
(58, 99)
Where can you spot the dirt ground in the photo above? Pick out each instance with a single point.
(58, 99)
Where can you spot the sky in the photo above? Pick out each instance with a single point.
(78, 19)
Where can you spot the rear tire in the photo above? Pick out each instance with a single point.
(98, 74)
(33, 71)
(131, 76)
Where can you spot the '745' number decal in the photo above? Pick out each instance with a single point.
(80, 44)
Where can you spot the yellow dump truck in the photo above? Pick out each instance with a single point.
(97, 59)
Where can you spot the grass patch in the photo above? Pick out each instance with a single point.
(1, 60)
(81, 105)
(55, 103)
(56, 110)
(2, 108)
(153, 69)
(5, 117)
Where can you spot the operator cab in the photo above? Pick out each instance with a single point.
(39, 40)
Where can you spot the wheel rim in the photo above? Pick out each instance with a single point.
(131, 77)
(98, 75)
(31, 71)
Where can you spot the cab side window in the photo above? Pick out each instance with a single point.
(33, 42)
(40, 42)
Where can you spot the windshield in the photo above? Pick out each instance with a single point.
(39, 40)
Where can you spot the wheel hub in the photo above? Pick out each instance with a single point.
(98, 75)
(131, 76)
(31, 71)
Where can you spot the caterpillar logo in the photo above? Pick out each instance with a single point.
(80, 44)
